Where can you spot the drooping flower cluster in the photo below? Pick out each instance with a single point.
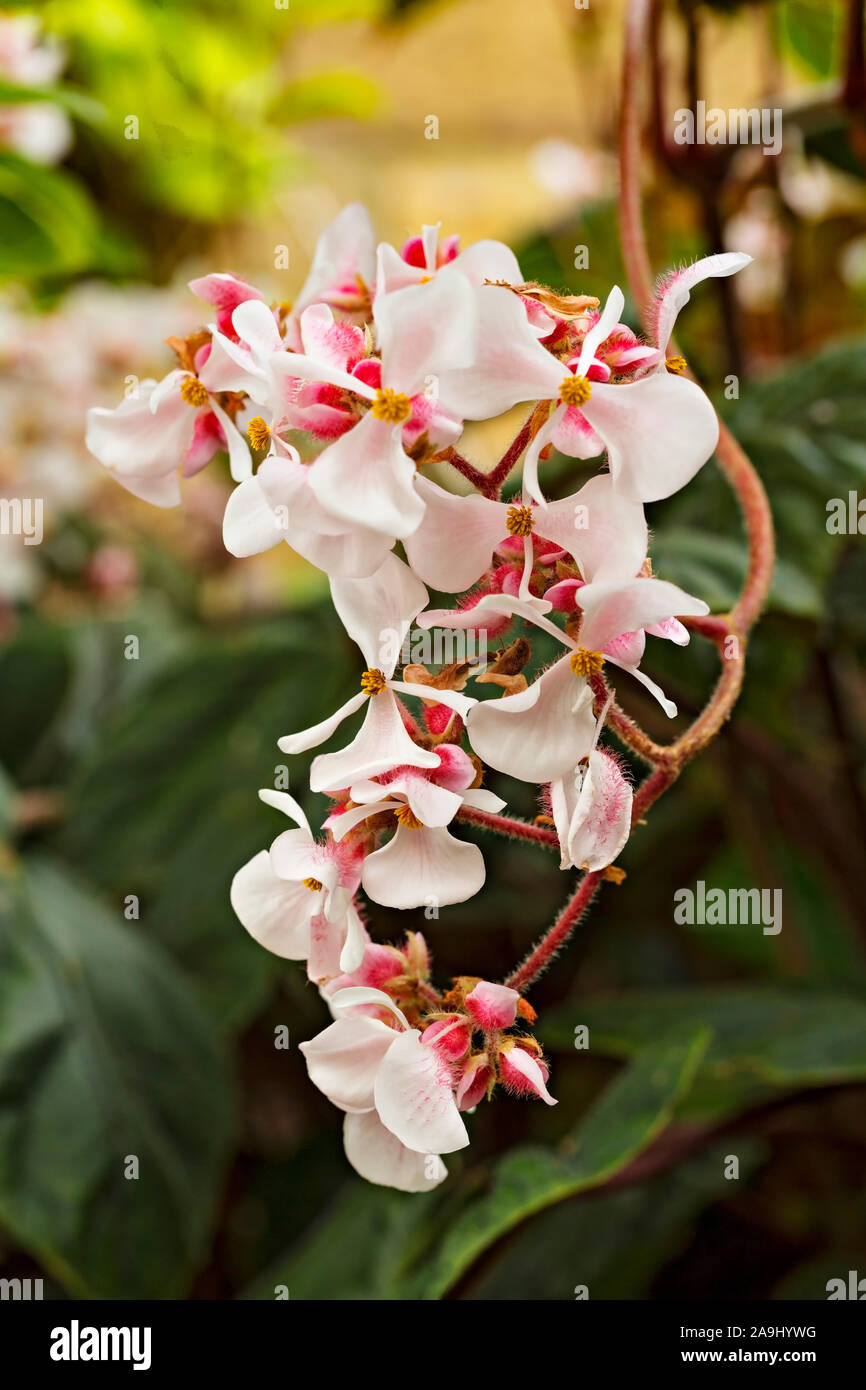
(331, 412)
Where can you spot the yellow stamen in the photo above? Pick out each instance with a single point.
(313, 884)
(518, 521)
(193, 392)
(425, 279)
(613, 874)
(258, 433)
(575, 390)
(677, 365)
(586, 663)
(390, 406)
(373, 682)
(407, 818)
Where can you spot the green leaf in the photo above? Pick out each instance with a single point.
(810, 30)
(764, 1041)
(48, 224)
(630, 1114)
(104, 1054)
(8, 797)
(615, 1243)
(354, 1252)
(194, 742)
(76, 103)
(35, 672)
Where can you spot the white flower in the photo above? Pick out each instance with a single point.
(377, 613)
(422, 862)
(541, 733)
(296, 900)
(397, 1092)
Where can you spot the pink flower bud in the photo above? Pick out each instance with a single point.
(493, 1006)
(523, 1074)
(474, 1080)
(450, 1036)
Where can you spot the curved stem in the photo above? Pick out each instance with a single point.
(728, 633)
(553, 941)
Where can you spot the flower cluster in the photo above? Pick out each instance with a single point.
(331, 411)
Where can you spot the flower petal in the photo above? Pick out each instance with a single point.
(317, 733)
(521, 1073)
(421, 866)
(592, 813)
(612, 607)
(355, 943)
(675, 292)
(377, 1155)
(424, 329)
(378, 612)
(604, 531)
(275, 913)
(365, 478)
(510, 364)
(540, 733)
(414, 1097)
(249, 524)
(344, 1059)
(282, 801)
(136, 439)
(381, 743)
(454, 544)
(658, 432)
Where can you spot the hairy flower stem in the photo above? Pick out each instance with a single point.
(552, 943)
(521, 441)
(510, 826)
(728, 633)
(467, 470)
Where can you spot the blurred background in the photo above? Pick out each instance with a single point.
(143, 142)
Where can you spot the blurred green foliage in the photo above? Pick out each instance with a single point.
(181, 114)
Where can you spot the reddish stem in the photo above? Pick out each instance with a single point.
(508, 825)
(552, 943)
(520, 442)
(667, 762)
(480, 481)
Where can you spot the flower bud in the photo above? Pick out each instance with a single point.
(474, 1080)
(492, 1006)
(523, 1074)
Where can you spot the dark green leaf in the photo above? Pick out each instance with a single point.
(104, 1055)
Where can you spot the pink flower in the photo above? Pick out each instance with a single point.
(177, 423)
(397, 1092)
(591, 808)
(542, 732)
(343, 269)
(377, 613)
(658, 430)
(296, 900)
(605, 533)
(492, 1006)
(225, 292)
(523, 1074)
(422, 864)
